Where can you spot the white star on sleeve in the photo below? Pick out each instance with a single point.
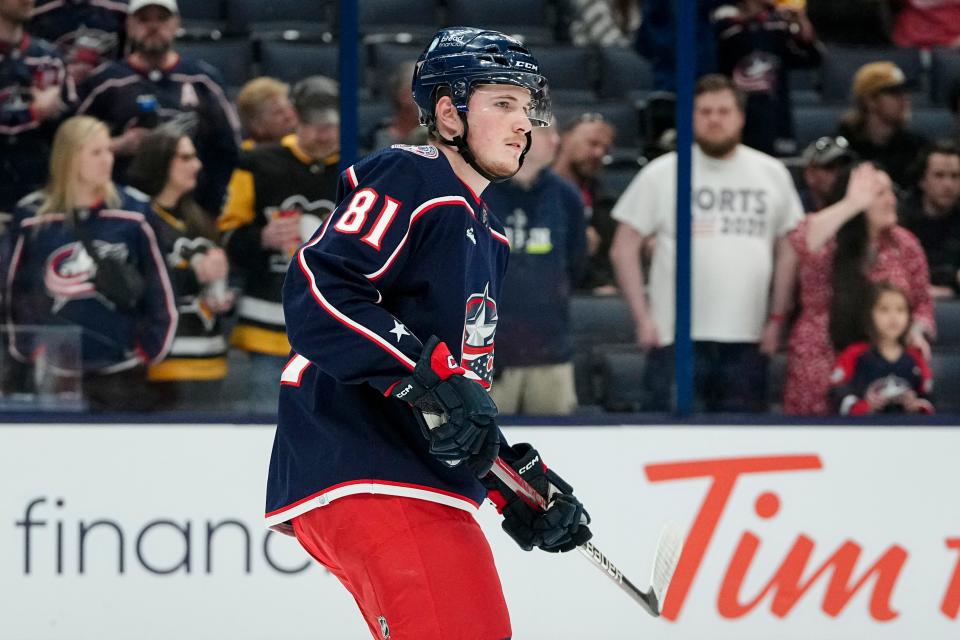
(399, 330)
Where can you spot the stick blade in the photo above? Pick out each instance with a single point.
(666, 558)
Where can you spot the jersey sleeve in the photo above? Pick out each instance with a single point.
(844, 397)
(158, 308)
(334, 287)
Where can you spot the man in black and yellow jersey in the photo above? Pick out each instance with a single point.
(277, 197)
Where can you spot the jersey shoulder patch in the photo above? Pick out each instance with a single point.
(424, 150)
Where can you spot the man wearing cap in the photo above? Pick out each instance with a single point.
(278, 196)
(823, 160)
(876, 126)
(155, 84)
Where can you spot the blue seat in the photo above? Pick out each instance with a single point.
(530, 19)
(841, 63)
(947, 315)
(267, 18)
(232, 58)
(944, 72)
(623, 73)
(292, 61)
(570, 72)
(418, 18)
(810, 122)
(598, 319)
(933, 123)
(620, 378)
(946, 380)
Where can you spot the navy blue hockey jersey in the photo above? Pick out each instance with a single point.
(91, 30)
(51, 284)
(409, 252)
(188, 90)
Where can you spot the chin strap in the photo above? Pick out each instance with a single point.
(460, 144)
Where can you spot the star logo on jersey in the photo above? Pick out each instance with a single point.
(399, 330)
(479, 329)
(472, 238)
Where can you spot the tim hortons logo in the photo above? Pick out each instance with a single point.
(794, 577)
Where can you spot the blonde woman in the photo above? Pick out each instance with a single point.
(84, 255)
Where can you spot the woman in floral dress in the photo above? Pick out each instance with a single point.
(873, 248)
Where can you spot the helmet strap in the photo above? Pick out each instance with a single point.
(460, 144)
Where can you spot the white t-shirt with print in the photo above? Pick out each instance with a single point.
(740, 207)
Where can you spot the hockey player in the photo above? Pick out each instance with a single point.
(391, 313)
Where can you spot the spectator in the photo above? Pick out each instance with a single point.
(758, 45)
(923, 24)
(544, 221)
(930, 212)
(85, 256)
(87, 33)
(278, 196)
(843, 248)
(823, 160)
(166, 170)
(744, 204)
(882, 375)
(403, 125)
(34, 91)
(584, 144)
(656, 39)
(876, 126)
(155, 84)
(266, 114)
(607, 23)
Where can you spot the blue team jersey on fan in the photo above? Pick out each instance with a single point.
(409, 252)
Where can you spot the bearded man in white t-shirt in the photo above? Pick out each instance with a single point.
(743, 205)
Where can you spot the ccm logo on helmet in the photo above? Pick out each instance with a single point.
(525, 65)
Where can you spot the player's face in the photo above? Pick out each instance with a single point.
(717, 122)
(941, 181)
(16, 11)
(882, 214)
(94, 161)
(891, 315)
(587, 144)
(152, 30)
(184, 167)
(499, 125)
(276, 118)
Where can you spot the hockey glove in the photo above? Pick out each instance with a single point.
(464, 412)
(562, 527)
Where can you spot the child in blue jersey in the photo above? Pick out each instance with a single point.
(883, 375)
(391, 312)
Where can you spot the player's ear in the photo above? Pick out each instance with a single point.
(447, 118)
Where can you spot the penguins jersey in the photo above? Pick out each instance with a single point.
(271, 180)
(409, 252)
(199, 350)
(51, 283)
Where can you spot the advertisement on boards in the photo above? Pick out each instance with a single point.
(155, 531)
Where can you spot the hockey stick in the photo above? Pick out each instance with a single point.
(665, 560)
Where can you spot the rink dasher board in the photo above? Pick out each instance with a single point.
(159, 528)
